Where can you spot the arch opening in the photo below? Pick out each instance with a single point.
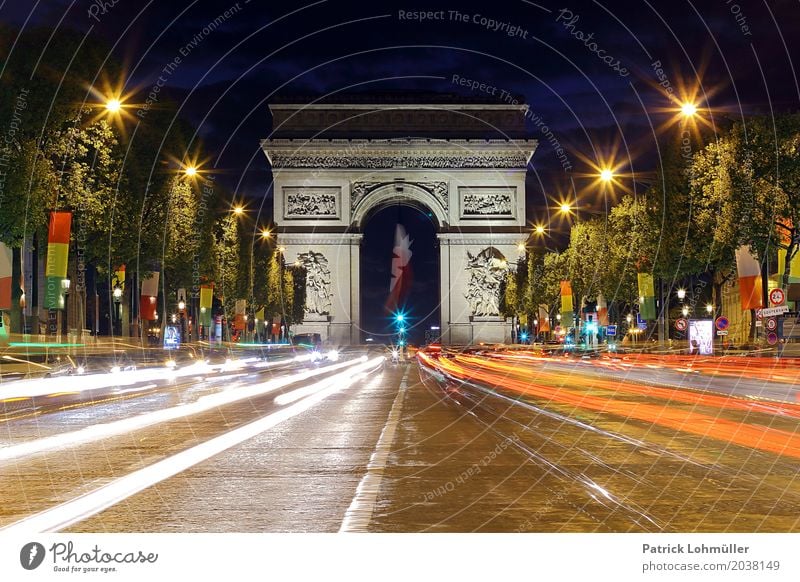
(420, 304)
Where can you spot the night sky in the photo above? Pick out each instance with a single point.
(586, 68)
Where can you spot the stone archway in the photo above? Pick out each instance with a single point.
(326, 189)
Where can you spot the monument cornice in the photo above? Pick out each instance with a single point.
(398, 153)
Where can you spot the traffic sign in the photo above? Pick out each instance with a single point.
(772, 324)
(722, 323)
(611, 330)
(681, 324)
(722, 332)
(759, 313)
(772, 338)
(777, 296)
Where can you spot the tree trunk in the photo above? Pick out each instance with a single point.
(16, 291)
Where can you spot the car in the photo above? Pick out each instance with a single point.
(309, 340)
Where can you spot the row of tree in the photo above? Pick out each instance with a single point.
(121, 176)
(711, 196)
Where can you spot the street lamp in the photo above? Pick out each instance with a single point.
(238, 210)
(565, 208)
(190, 171)
(539, 229)
(606, 175)
(709, 308)
(685, 311)
(688, 109)
(265, 234)
(181, 305)
(681, 293)
(113, 105)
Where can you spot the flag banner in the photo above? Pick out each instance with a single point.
(149, 297)
(567, 315)
(749, 272)
(119, 277)
(647, 296)
(57, 255)
(205, 317)
(794, 267)
(544, 318)
(207, 297)
(239, 309)
(26, 301)
(6, 258)
(602, 310)
(400, 284)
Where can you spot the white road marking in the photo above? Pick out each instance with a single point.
(359, 514)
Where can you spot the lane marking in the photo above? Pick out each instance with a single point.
(359, 514)
(85, 506)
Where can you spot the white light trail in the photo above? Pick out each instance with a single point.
(101, 431)
(85, 506)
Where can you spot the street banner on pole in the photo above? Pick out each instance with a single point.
(206, 302)
(119, 277)
(647, 296)
(57, 255)
(602, 310)
(239, 309)
(544, 318)
(749, 272)
(149, 297)
(567, 315)
(6, 258)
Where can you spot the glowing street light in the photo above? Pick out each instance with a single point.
(113, 105)
(181, 305)
(281, 249)
(566, 208)
(685, 311)
(606, 175)
(539, 229)
(265, 233)
(190, 171)
(238, 210)
(681, 293)
(709, 308)
(688, 109)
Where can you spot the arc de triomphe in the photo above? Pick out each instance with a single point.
(334, 165)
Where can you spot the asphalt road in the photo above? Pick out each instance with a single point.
(491, 442)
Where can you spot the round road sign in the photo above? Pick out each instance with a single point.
(772, 338)
(772, 324)
(681, 324)
(759, 314)
(721, 323)
(777, 296)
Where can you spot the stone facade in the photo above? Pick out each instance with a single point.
(327, 190)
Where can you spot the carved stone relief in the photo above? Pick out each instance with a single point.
(311, 203)
(318, 282)
(486, 202)
(486, 271)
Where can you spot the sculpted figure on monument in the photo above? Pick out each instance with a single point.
(487, 270)
(318, 282)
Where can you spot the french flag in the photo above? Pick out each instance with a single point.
(401, 269)
(749, 272)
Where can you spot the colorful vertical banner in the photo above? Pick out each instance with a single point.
(206, 303)
(238, 314)
(794, 267)
(57, 255)
(148, 307)
(567, 314)
(749, 272)
(6, 265)
(544, 318)
(119, 277)
(647, 296)
(602, 310)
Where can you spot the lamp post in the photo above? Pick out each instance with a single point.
(117, 293)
